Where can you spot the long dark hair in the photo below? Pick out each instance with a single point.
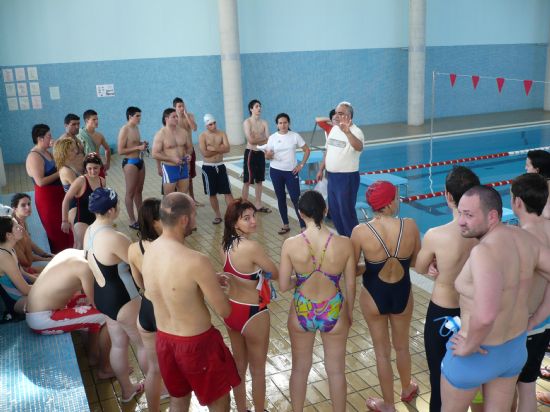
(6, 226)
(147, 214)
(312, 205)
(234, 211)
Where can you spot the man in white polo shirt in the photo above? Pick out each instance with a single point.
(343, 149)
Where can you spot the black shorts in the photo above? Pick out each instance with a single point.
(215, 180)
(253, 166)
(536, 348)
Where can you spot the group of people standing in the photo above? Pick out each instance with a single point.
(486, 323)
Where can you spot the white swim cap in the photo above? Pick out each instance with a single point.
(209, 119)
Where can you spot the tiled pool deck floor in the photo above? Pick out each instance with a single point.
(360, 362)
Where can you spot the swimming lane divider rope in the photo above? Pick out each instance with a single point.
(442, 192)
(454, 161)
(441, 163)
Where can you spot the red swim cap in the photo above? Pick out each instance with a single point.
(380, 194)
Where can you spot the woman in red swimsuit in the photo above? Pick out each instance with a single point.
(246, 265)
(48, 192)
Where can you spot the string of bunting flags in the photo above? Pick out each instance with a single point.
(527, 84)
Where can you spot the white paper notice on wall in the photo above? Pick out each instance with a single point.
(105, 90)
(32, 73)
(8, 75)
(13, 104)
(22, 89)
(36, 102)
(35, 88)
(11, 90)
(24, 103)
(54, 92)
(20, 74)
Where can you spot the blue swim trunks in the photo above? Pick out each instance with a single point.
(172, 174)
(136, 161)
(501, 361)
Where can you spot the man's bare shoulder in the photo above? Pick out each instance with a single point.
(539, 229)
(124, 131)
(159, 135)
(482, 250)
(442, 232)
(98, 136)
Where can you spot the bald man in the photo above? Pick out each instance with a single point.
(178, 280)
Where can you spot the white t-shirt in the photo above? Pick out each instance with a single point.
(341, 156)
(284, 149)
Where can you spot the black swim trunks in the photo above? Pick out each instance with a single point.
(254, 166)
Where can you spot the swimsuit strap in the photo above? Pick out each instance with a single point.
(91, 236)
(88, 186)
(311, 254)
(399, 238)
(324, 250)
(317, 267)
(141, 247)
(6, 250)
(375, 233)
(76, 172)
(41, 155)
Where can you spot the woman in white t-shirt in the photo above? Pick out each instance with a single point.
(284, 170)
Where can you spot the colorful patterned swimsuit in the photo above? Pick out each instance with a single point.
(312, 315)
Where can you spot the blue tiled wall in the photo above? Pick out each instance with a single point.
(302, 84)
(522, 61)
(150, 84)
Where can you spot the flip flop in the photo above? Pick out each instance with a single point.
(544, 398)
(217, 221)
(412, 394)
(545, 373)
(140, 389)
(283, 230)
(264, 209)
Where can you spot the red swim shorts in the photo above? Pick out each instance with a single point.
(201, 363)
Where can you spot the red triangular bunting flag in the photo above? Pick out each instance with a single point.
(527, 86)
(453, 79)
(475, 81)
(500, 83)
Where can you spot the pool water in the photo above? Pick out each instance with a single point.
(434, 212)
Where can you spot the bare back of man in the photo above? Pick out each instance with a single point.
(450, 251)
(178, 280)
(174, 289)
(66, 274)
(55, 304)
